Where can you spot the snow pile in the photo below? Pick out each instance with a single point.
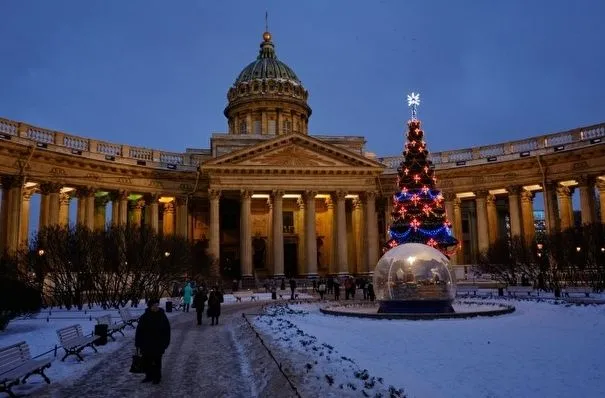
(318, 367)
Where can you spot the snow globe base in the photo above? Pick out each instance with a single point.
(415, 307)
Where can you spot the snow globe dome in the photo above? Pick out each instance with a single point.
(414, 278)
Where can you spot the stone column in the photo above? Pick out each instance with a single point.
(601, 187)
(492, 218)
(168, 219)
(245, 234)
(388, 216)
(135, 212)
(215, 239)
(482, 226)
(152, 220)
(45, 190)
(278, 233)
(269, 259)
(587, 200)
(249, 127)
(328, 243)
(64, 200)
(264, 128)
(448, 200)
(551, 208)
(310, 233)
(82, 195)
(3, 214)
(527, 212)
(122, 197)
(359, 236)
(24, 225)
(458, 257)
(514, 209)
(181, 216)
(299, 227)
(372, 232)
(90, 210)
(100, 211)
(565, 206)
(342, 255)
(14, 203)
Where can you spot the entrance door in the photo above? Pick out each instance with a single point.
(290, 259)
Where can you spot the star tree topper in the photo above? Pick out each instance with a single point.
(414, 103)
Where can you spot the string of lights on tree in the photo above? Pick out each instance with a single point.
(418, 209)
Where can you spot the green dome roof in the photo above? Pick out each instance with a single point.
(267, 66)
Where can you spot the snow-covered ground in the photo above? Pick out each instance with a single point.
(39, 332)
(541, 350)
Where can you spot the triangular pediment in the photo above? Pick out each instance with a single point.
(292, 151)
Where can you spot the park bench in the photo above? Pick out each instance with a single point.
(16, 365)
(577, 290)
(241, 295)
(466, 291)
(73, 341)
(127, 318)
(523, 291)
(111, 328)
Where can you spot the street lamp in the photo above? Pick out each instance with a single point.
(540, 246)
(41, 252)
(166, 254)
(578, 249)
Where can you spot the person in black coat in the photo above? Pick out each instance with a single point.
(199, 301)
(151, 339)
(214, 306)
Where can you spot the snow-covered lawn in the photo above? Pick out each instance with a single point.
(540, 350)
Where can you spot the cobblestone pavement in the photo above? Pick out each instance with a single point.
(201, 361)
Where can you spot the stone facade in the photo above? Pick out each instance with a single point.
(279, 201)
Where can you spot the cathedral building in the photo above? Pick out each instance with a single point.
(273, 199)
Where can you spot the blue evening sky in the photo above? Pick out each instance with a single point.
(156, 73)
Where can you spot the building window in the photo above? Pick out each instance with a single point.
(242, 127)
(257, 127)
(271, 126)
(287, 126)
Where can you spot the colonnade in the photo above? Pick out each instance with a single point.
(339, 260)
(91, 212)
(559, 214)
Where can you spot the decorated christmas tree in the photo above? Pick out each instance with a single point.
(418, 209)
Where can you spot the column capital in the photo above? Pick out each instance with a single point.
(449, 196)
(514, 189)
(50, 187)
(482, 194)
(309, 195)
(27, 194)
(214, 194)
(245, 194)
(369, 195)
(527, 196)
(563, 191)
(151, 198)
(169, 207)
(180, 200)
(135, 204)
(457, 202)
(357, 203)
(490, 199)
(101, 200)
(85, 192)
(329, 202)
(339, 195)
(118, 195)
(277, 193)
(301, 203)
(585, 180)
(9, 182)
(65, 198)
(600, 184)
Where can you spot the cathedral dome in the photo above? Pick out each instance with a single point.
(267, 66)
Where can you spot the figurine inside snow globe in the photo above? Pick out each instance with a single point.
(414, 278)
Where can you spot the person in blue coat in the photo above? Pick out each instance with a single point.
(187, 292)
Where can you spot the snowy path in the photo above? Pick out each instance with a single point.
(206, 361)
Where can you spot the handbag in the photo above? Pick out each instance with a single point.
(137, 365)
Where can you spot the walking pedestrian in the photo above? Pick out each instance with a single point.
(152, 337)
(199, 301)
(214, 307)
(322, 289)
(292, 288)
(187, 292)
